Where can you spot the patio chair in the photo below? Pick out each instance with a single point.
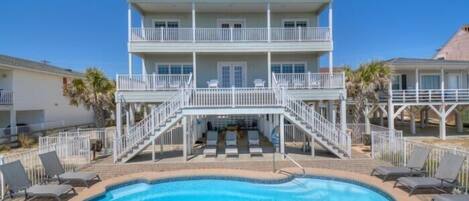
(414, 166)
(445, 176)
(211, 145)
(15, 177)
(231, 148)
(449, 197)
(54, 169)
(259, 83)
(254, 143)
(212, 83)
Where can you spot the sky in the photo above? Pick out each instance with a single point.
(78, 34)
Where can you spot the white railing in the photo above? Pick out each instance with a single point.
(428, 95)
(231, 97)
(154, 82)
(396, 150)
(278, 34)
(73, 153)
(294, 134)
(105, 135)
(301, 34)
(6, 97)
(143, 129)
(324, 127)
(310, 80)
(359, 132)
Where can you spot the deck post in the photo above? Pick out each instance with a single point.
(132, 114)
(422, 118)
(269, 68)
(366, 118)
(193, 22)
(194, 69)
(127, 121)
(417, 84)
(313, 152)
(118, 118)
(153, 151)
(390, 108)
(442, 79)
(184, 137)
(269, 29)
(459, 122)
(282, 134)
(381, 117)
(412, 121)
(442, 122)
(13, 126)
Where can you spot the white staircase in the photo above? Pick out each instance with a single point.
(319, 128)
(169, 113)
(148, 129)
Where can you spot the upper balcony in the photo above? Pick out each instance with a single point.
(229, 26)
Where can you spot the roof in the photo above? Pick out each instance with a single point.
(19, 63)
(463, 28)
(15, 62)
(431, 64)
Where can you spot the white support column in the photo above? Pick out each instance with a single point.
(381, 117)
(145, 110)
(313, 151)
(282, 134)
(129, 21)
(343, 114)
(422, 118)
(119, 118)
(269, 28)
(13, 126)
(269, 68)
(367, 120)
(331, 112)
(184, 138)
(390, 108)
(459, 122)
(442, 79)
(194, 68)
(132, 114)
(443, 122)
(417, 87)
(153, 152)
(412, 121)
(127, 121)
(193, 22)
(144, 68)
(331, 65)
(130, 65)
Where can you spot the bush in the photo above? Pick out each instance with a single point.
(4, 148)
(25, 140)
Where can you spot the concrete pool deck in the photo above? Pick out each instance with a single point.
(280, 176)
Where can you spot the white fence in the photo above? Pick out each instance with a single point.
(360, 132)
(279, 34)
(310, 80)
(428, 95)
(73, 152)
(105, 135)
(153, 82)
(396, 150)
(6, 97)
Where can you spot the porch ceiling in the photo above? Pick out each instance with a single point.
(213, 6)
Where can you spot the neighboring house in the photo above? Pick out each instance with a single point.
(423, 85)
(457, 48)
(31, 93)
(234, 58)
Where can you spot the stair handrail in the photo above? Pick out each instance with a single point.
(323, 126)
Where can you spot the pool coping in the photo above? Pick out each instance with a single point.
(284, 175)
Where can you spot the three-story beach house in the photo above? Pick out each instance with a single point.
(219, 58)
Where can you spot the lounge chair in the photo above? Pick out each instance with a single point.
(254, 143)
(211, 145)
(212, 83)
(231, 148)
(14, 176)
(54, 169)
(259, 83)
(448, 197)
(414, 166)
(445, 176)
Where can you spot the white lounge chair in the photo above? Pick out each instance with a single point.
(231, 144)
(212, 83)
(259, 83)
(254, 143)
(211, 145)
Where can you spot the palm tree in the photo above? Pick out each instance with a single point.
(95, 92)
(364, 86)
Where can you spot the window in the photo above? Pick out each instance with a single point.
(166, 23)
(430, 81)
(174, 69)
(396, 82)
(289, 68)
(295, 23)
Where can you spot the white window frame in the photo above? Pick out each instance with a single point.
(295, 20)
(400, 81)
(424, 74)
(290, 62)
(173, 63)
(231, 63)
(166, 22)
(235, 20)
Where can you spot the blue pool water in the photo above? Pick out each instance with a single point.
(298, 189)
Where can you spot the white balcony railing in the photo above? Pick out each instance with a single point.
(230, 34)
(153, 82)
(310, 80)
(428, 95)
(6, 97)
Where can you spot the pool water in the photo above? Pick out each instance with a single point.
(298, 189)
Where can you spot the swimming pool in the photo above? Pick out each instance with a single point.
(217, 189)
